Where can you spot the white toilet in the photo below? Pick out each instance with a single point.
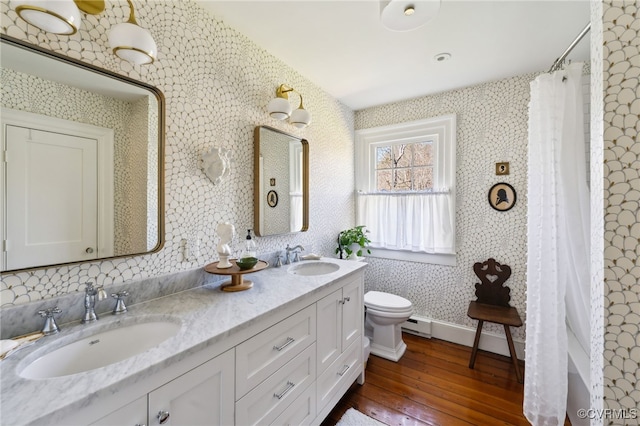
(384, 314)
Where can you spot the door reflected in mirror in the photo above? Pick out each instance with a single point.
(84, 176)
(281, 182)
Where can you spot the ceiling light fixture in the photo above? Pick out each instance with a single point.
(59, 16)
(131, 42)
(280, 108)
(404, 15)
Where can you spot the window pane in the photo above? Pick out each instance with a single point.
(422, 178)
(402, 155)
(402, 180)
(383, 180)
(383, 158)
(422, 154)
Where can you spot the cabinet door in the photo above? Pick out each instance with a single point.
(329, 336)
(352, 315)
(203, 396)
(132, 414)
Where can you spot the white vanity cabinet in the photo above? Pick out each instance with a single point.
(290, 368)
(340, 330)
(132, 414)
(340, 321)
(202, 396)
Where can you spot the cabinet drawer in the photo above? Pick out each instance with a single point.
(302, 411)
(263, 354)
(266, 402)
(340, 374)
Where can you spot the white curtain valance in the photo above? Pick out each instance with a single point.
(418, 222)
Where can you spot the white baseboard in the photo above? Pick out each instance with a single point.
(461, 335)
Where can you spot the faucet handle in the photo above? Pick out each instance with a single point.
(101, 293)
(96, 290)
(120, 307)
(278, 259)
(50, 326)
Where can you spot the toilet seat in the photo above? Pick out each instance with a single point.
(401, 314)
(385, 302)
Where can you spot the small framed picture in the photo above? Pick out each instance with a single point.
(502, 169)
(502, 196)
(272, 198)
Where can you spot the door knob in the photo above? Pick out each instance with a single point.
(163, 416)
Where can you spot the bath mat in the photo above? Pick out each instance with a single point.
(353, 417)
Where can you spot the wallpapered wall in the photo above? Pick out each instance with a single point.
(621, 76)
(128, 120)
(492, 127)
(217, 85)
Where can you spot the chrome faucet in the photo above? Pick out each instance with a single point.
(288, 250)
(90, 294)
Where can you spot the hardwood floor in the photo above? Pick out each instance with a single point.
(433, 385)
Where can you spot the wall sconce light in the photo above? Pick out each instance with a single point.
(280, 108)
(59, 16)
(131, 42)
(128, 40)
(407, 15)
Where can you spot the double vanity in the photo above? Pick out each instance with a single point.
(283, 352)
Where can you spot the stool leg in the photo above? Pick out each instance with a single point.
(476, 341)
(512, 351)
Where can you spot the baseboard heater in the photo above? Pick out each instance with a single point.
(417, 325)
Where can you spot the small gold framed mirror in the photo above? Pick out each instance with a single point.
(281, 182)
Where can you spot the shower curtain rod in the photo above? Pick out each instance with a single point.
(558, 63)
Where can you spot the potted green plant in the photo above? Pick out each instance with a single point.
(353, 242)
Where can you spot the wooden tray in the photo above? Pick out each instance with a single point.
(237, 283)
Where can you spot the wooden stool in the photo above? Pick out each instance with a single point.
(493, 306)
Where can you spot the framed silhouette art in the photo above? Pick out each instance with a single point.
(502, 196)
(272, 198)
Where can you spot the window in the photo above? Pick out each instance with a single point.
(404, 167)
(405, 181)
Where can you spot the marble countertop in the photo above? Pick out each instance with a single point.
(207, 316)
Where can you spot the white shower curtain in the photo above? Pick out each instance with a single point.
(558, 241)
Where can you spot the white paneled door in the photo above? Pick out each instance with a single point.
(51, 197)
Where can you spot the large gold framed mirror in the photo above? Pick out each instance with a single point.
(84, 176)
(281, 182)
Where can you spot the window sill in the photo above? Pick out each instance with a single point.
(410, 256)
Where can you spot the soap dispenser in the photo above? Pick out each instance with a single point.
(250, 247)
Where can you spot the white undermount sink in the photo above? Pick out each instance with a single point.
(100, 349)
(309, 268)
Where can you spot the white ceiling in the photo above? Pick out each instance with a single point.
(343, 48)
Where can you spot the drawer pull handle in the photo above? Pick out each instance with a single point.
(289, 341)
(163, 416)
(344, 300)
(280, 395)
(344, 370)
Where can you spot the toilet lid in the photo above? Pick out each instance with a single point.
(386, 302)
